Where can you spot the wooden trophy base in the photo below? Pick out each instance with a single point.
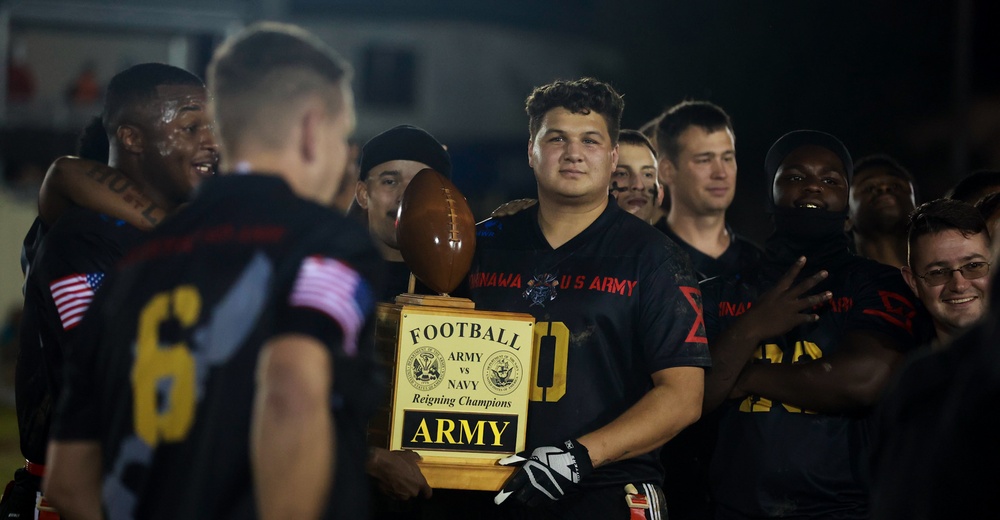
(477, 474)
(431, 300)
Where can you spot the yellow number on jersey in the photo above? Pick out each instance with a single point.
(551, 353)
(171, 365)
(773, 353)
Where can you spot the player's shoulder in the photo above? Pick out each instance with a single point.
(81, 231)
(866, 270)
(82, 220)
(631, 232)
(506, 230)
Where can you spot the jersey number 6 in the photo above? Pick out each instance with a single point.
(168, 368)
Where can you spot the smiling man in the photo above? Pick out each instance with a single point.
(389, 161)
(799, 358)
(882, 197)
(161, 142)
(621, 362)
(949, 260)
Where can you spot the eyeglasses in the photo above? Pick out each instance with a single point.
(970, 271)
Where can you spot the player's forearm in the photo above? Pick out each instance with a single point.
(98, 187)
(72, 483)
(823, 385)
(655, 419)
(292, 439)
(730, 352)
(292, 463)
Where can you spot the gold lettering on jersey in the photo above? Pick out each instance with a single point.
(171, 366)
(772, 353)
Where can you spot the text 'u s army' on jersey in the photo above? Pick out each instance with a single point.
(164, 378)
(613, 305)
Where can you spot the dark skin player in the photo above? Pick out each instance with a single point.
(880, 202)
(171, 142)
(845, 381)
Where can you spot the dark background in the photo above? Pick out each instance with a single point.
(915, 80)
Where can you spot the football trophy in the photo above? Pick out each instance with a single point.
(459, 394)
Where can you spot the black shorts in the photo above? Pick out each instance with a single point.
(600, 503)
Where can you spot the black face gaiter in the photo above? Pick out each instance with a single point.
(813, 233)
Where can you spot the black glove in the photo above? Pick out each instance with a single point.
(547, 474)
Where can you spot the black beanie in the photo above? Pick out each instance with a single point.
(789, 142)
(404, 143)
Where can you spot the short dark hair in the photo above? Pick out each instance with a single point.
(133, 88)
(678, 118)
(256, 75)
(93, 142)
(943, 215)
(580, 96)
(635, 138)
(971, 187)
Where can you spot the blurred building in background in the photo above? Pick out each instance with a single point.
(915, 81)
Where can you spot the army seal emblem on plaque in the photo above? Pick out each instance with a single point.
(502, 373)
(425, 368)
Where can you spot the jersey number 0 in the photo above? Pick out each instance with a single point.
(548, 374)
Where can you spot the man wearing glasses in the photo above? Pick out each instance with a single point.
(949, 258)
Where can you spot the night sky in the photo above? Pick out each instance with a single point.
(879, 75)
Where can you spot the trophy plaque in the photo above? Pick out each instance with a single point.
(459, 376)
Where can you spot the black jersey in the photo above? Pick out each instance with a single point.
(933, 454)
(164, 374)
(613, 305)
(68, 263)
(687, 455)
(740, 254)
(776, 460)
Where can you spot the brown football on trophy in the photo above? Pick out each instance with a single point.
(436, 231)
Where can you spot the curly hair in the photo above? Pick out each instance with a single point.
(580, 96)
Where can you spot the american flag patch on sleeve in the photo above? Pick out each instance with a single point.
(72, 296)
(333, 288)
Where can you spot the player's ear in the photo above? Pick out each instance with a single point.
(310, 130)
(911, 279)
(361, 194)
(130, 137)
(531, 157)
(665, 170)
